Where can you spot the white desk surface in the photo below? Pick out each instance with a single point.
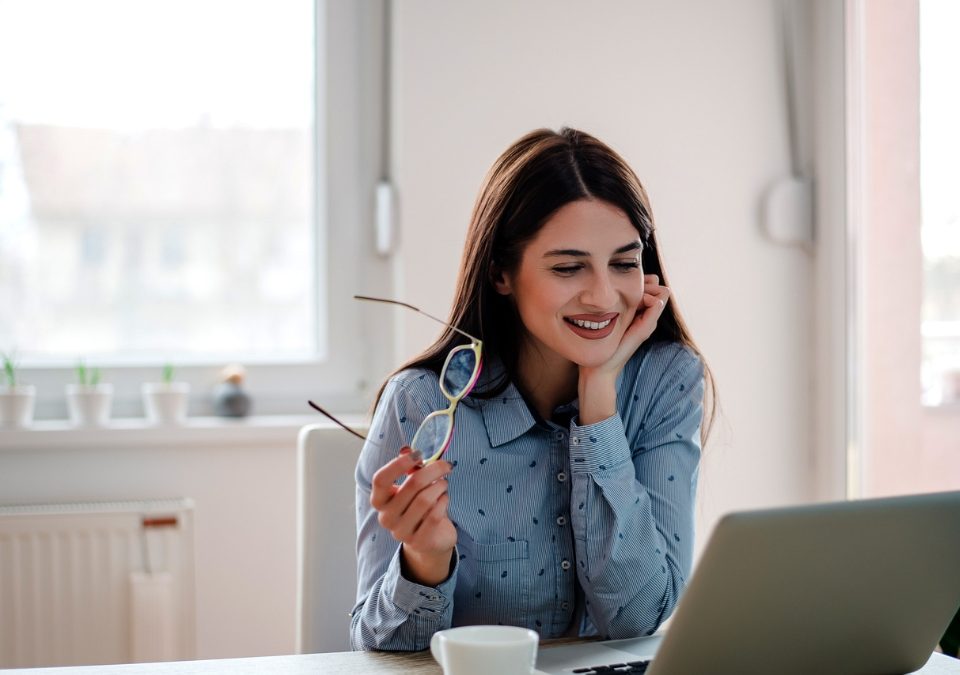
(338, 663)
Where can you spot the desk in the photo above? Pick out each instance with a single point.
(337, 663)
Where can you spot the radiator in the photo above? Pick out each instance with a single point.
(96, 583)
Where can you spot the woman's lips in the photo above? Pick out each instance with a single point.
(592, 333)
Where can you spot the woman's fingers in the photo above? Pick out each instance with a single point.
(383, 484)
(420, 506)
(655, 299)
(393, 501)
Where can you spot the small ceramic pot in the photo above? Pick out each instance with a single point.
(165, 403)
(89, 404)
(16, 405)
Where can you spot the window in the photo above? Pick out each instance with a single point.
(157, 179)
(191, 182)
(940, 200)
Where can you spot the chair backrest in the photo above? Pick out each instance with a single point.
(326, 536)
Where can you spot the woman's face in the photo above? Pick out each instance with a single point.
(578, 284)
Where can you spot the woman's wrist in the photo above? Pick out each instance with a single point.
(598, 397)
(426, 569)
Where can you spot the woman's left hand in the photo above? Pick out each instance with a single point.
(597, 383)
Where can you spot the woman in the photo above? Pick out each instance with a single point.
(565, 500)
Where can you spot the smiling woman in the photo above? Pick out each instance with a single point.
(564, 502)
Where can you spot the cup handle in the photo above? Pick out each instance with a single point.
(435, 648)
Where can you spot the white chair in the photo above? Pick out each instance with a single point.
(326, 536)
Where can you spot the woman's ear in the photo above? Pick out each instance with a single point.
(501, 282)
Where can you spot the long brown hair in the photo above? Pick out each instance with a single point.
(527, 184)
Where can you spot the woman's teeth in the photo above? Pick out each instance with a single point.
(592, 325)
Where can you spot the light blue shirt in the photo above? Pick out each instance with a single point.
(561, 528)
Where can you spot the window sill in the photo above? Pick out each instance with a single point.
(257, 430)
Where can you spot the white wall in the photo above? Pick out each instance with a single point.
(691, 93)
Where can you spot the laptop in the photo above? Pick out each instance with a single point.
(862, 587)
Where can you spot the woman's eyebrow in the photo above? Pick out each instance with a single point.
(576, 253)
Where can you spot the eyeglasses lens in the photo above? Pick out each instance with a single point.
(459, 371)
(432, 435)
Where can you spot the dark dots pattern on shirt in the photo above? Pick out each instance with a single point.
(670, 478)
(503, 574)
(540, 573)
(602, 467)
(580, 508)
(636, 397)
(578, 459)
(373, 538)
(638, 501)
(533, 463)
(509, 488)
(453, 463)
(483, 460)
(679, 435)
(620, 534)
(481, 512)
(403, 420)
(381, 436)
(682, 387)
(510, 539)
(535, 521)
(676, 536)
(462, 557)
(538, 623)
(593, 439)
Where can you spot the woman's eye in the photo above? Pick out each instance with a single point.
(627, 265)
(566, 270)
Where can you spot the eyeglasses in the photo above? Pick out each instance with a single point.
(457, 378)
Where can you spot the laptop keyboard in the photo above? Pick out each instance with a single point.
(615, 668)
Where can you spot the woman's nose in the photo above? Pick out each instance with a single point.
(599, 293)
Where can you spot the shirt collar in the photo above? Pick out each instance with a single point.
(505, 416)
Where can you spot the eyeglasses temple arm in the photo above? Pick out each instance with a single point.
(334, 419)
(416, 309)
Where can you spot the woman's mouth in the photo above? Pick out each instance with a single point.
(592, 328)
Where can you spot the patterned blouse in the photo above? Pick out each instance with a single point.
(561, 528)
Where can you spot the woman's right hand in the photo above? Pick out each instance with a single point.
(415, 513)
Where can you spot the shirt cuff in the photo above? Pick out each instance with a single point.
(599, 446)
(414, 598)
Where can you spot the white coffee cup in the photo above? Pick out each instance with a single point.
(482, 650)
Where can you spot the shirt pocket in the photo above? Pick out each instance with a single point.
(494, 584)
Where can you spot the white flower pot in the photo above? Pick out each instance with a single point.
(89, 404)
(16, 405)
(166, 403)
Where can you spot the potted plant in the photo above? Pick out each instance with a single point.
(16, 399)
(88, 401)
(165, 402)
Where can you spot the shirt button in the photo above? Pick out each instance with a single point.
(565, 565)
(562, 520)
(559, 435)
(576, 440)
(564, 605)
(561, 476)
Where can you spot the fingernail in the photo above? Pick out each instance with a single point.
(405, 450)
(416, 456)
